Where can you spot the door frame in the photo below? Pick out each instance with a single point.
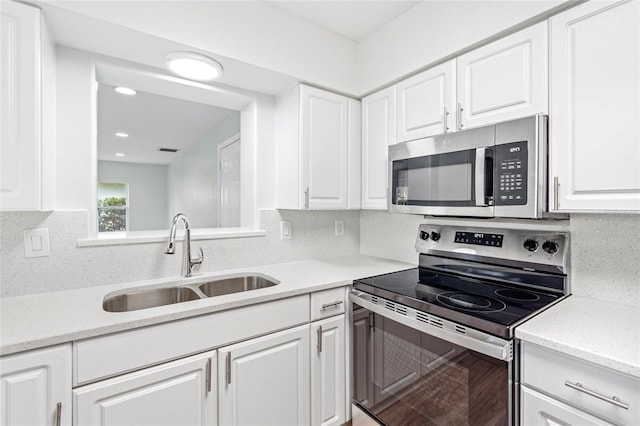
(233, 139)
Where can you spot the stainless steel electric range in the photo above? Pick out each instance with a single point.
(434, 345)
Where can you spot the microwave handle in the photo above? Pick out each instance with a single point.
(481, 175)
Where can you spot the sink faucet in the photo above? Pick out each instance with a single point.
(187, 262)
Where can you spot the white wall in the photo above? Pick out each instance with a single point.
(147, 183)
(254, 32)
(193, 176)
(433, 30)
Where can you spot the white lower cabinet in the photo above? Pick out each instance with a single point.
(328, 379)
(176, 393)
(265, 381)
(35, 387)
(540, 410)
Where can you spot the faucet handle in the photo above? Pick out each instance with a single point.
(198, 260)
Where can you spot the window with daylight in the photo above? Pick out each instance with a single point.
(113, 207)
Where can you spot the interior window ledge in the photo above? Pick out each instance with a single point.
(141, 237)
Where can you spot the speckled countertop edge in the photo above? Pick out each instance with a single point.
(45, 319)
(602, 332)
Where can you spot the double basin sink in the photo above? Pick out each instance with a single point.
(134, 300)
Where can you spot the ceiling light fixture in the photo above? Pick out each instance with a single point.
(119, 154)
(122, 135)
(125, 91)
(193, 66)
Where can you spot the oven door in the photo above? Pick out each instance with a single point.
(405, 374)
(450, 174)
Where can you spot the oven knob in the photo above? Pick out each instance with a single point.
(424, 235)
(435, 236)
(531, 245)
(550, 247)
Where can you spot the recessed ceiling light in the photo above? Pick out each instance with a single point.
(193, 66)
(125, 91)
(119, 154)
(122, 135)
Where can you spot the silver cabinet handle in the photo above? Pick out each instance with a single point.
(556, 184)
(611, 400)
(228, 368)
(208, 378)
(331, 305)
(459, 116)
(58, 413)
(319, 331)
(445, 119)
(306, 198)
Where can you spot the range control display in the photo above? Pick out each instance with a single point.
(479, 238)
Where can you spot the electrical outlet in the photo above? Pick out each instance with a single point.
(285, 230)
(339, 225)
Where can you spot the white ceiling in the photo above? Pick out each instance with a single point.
(152, 122)
(354, 20)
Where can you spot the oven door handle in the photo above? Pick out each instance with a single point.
(481, 175)
(478, 341)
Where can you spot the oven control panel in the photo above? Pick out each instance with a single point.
(479, 238)
(504, 246)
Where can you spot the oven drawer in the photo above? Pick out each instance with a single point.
(582, 384)
(327, 303)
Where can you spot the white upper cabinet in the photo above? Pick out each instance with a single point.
(318, 150)
(594, 124)
(27, 110)
(425, 102)
(378, 132)
(35, 387)
(504, 80)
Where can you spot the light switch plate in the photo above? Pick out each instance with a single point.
(285, 230)
(339, 225)
(36, 242)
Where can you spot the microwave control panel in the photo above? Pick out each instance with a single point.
(511, 171)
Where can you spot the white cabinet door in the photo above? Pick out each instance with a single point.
(35, 387)
(378, 132)
(26, 161)
(505, 79)
(177, 393)
(325, 148)
(425, 102)
(328, 380)
(318, 150)
(265, 381)
(540, 410)
(594, 125)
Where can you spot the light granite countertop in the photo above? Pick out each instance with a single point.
(45, 319)
(605, 333)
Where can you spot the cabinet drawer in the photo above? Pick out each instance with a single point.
(327, 303)
(555, 373)
(541, 410)
(118, 353)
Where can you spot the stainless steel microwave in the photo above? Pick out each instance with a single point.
(492, 171)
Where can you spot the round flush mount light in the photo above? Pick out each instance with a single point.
(125, 91)
(122, 135)
(193, 66)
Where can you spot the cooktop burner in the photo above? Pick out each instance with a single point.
(470, 302)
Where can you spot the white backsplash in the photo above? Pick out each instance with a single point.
(605, 248)
(70, 267)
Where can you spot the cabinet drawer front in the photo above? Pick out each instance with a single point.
(130, 350)
(327, 303)
(541, 410)
(559, 374)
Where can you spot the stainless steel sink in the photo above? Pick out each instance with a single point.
(235, 285)
(150, 298)
(143, 299)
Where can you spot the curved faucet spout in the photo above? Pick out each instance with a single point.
(187, 262)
